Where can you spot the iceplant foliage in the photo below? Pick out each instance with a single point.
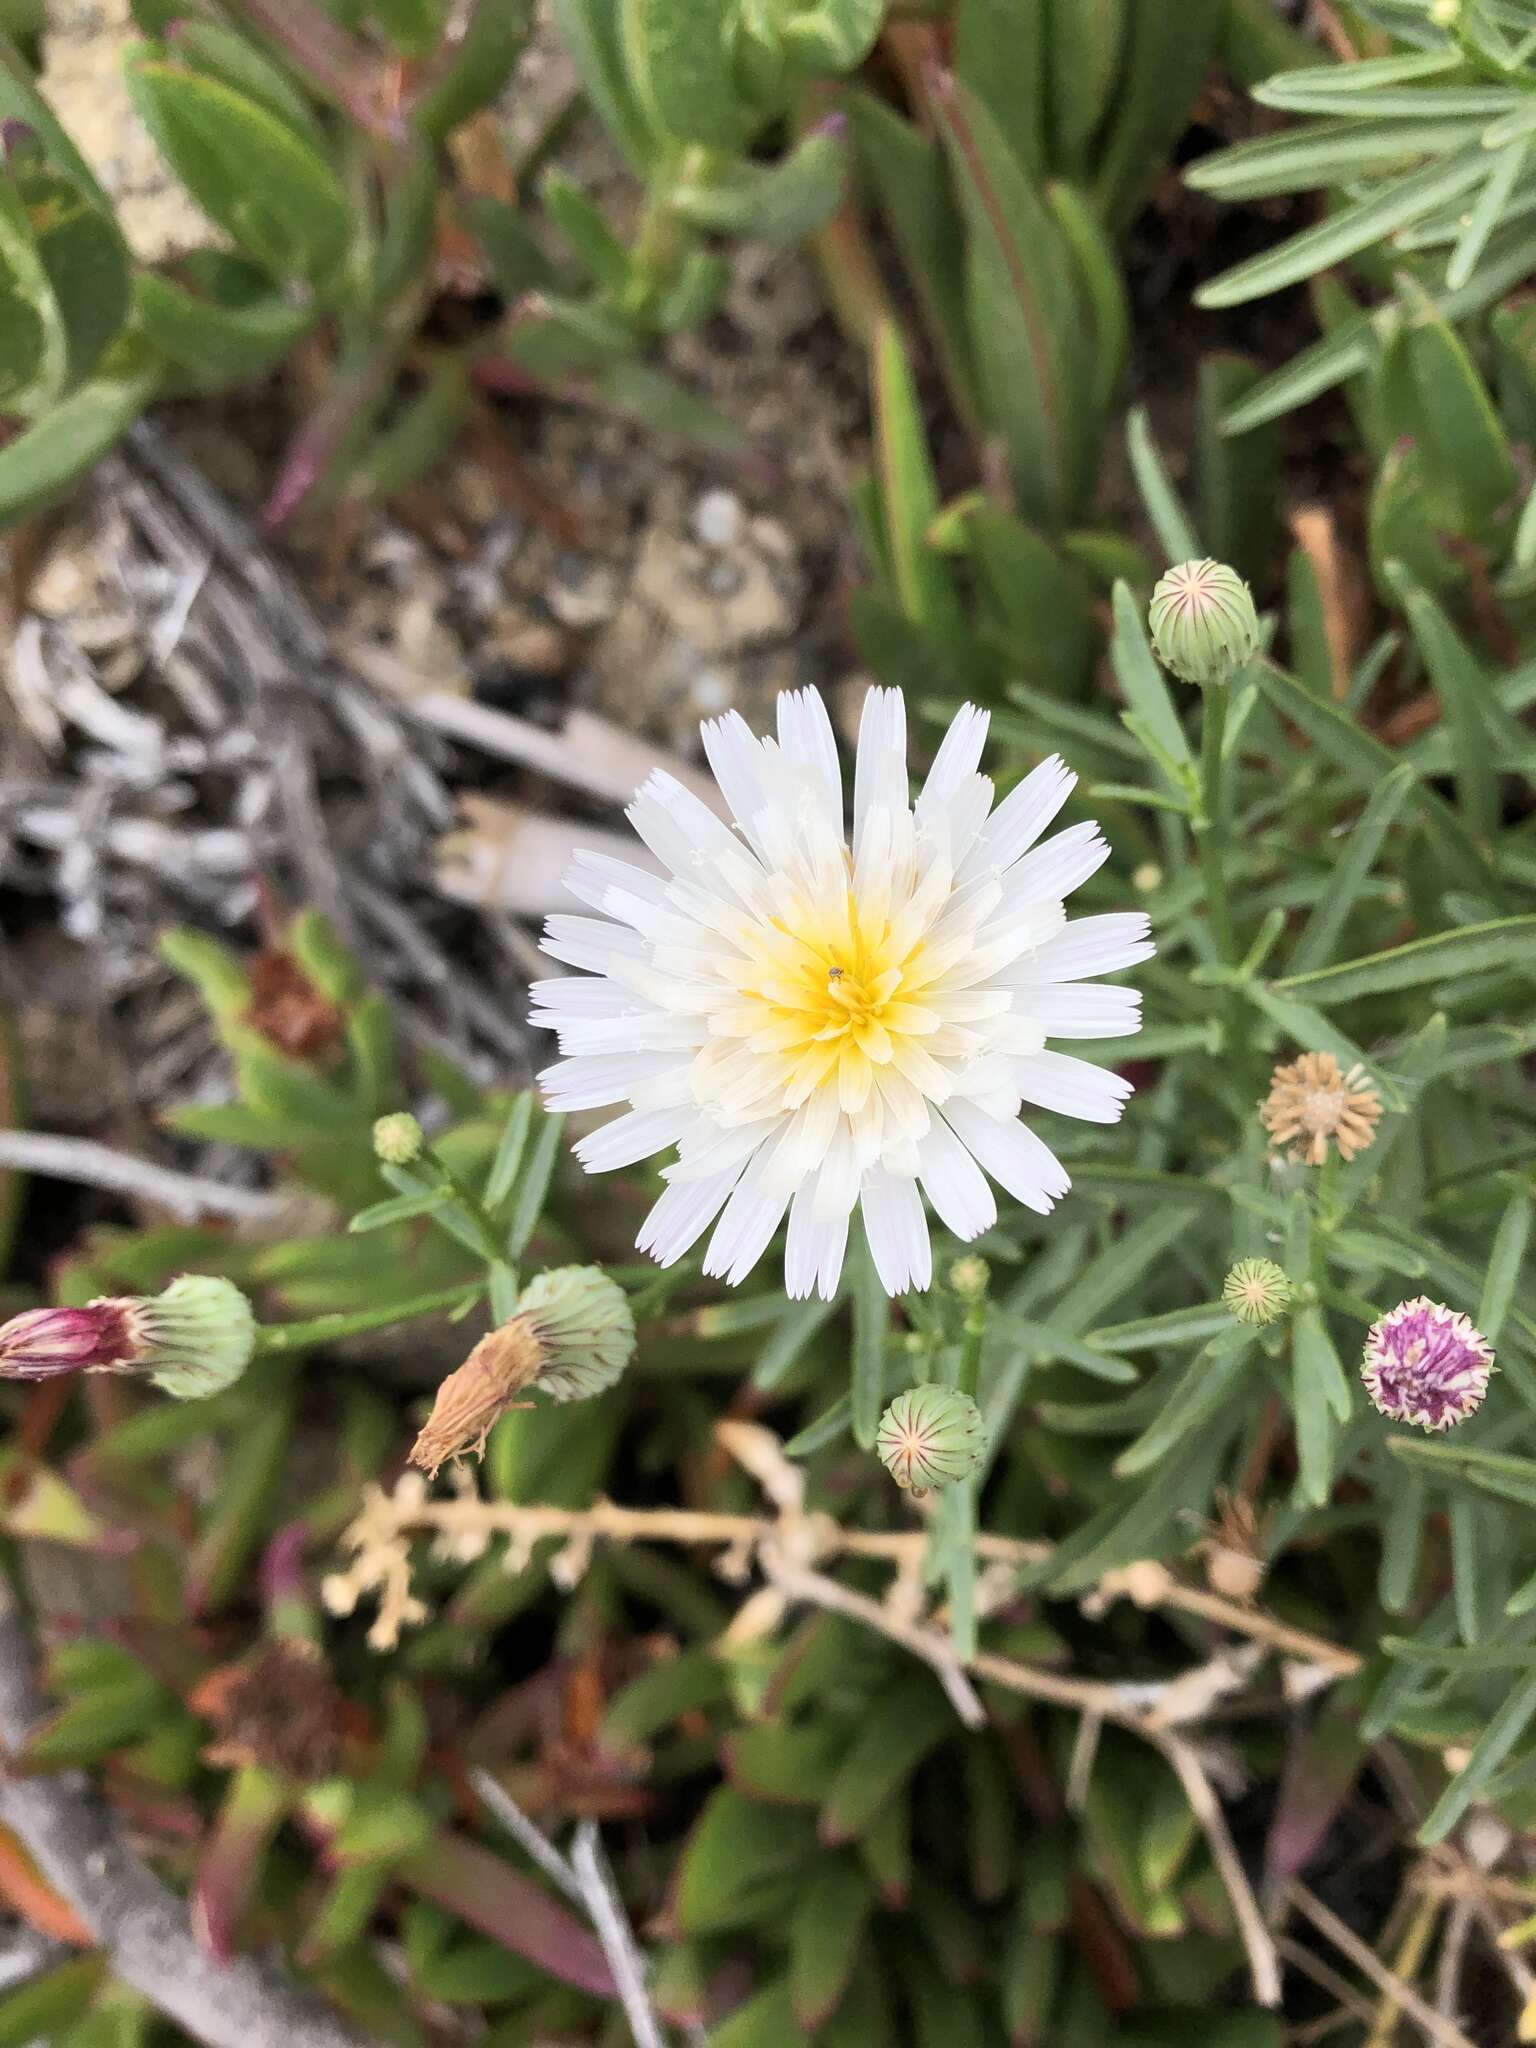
(815, 1023)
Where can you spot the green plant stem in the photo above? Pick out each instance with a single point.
(969, 1374)
(277, 1338)
(1210, 824)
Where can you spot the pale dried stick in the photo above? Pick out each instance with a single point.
(1433, 2025)
(585, 1879)
(187, 1196)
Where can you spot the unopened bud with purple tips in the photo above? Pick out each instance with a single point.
(195, 1338)
(103, 1337)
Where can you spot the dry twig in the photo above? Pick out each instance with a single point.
(585, 1879)
(789, 1549)
(1433, 2025)
(187, 1196)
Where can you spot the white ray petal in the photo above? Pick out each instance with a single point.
(897, 1232)
(1089, 946)
(595, 1082)
(955, 1184)
(1024, 814)
(1058, 867)
(957, 760)
(635, 1135)
(1083, 1009)
(683, 1214)
(1054, 1080)
(1022, 1164)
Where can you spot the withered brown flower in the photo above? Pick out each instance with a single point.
(1312, 1101)
(278, 1709)
(484, 1387)
(288, 1010)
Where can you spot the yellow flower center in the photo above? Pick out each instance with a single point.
(825, 996)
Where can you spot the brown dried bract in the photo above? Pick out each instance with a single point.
(1313, 1102)
(288, 1010)
(482, 1390)
(277, 1709)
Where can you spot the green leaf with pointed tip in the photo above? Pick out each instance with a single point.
(478, 68)
(1083, 49)
(1024, 317)
(217, 342)
(1466, 456)
(268, 188)
(785, 201)
(834, 36)
(1043, 601)
(679, 54)
(825, 1936)
(1320, 1402)
(1159, 76)
(1000, 49)
(592, 32)
(58, 450)
(1347, 232)
(84, 257)
(919, 205)
(216, 52)
(740, 1863)
(895, 1733)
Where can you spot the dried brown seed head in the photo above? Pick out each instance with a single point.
(475, 1397)
(1312, 1102)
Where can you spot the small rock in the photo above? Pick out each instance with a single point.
(717, 519)
(583, 593)
(533, 646)
(712, 691)
(675, 578)
(426, 645)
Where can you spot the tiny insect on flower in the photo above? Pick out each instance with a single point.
(1426, 1364)
(817, 1025)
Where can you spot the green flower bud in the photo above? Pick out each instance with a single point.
(929, 1436)
(1204, 625)
(584, 1327)
(1257, 1291)
(398, 1139)
(199, 1336)
(969, 1277)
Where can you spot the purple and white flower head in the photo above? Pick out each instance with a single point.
(1426, 1364)
(816, 1024)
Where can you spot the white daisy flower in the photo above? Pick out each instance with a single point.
(815, 1025)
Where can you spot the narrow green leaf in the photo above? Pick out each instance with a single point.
(871, 1319)
(1347, 232)
(1331, 912)
(1499, 1736)
(1169, 520)
(1502, 942)
(1141, 679)
(1505, 1258)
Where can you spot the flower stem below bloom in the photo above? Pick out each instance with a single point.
(277, 1338)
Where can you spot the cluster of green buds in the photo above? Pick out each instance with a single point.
(1205, 627)
(195, 1338)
